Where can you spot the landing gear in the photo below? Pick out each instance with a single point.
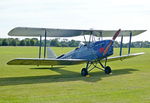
(84, 72)
(106, 69)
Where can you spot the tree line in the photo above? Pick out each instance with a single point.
(137, 44)
(62, 43)
(36, 42)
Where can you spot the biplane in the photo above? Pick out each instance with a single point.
(95, 54)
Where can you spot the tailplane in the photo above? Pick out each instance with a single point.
(50, 53)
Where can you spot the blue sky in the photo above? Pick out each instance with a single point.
(76, 14)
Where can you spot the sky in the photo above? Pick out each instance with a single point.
(76, 14)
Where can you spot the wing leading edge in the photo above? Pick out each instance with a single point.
(45, 61)
(109, 59)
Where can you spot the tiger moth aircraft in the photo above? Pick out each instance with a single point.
(95, 54)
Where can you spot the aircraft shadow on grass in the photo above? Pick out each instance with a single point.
(64, 76)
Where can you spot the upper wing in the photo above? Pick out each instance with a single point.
(26, 31)
(45, 61)
(109, 59)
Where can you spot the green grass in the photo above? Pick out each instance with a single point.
(129, 83)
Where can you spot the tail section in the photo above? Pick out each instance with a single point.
(50, 53)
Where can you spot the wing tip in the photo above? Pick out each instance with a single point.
(9, 62)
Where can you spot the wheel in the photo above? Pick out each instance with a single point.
(107, 70)
(84, 72)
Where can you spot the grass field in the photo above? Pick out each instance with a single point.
(129, 82)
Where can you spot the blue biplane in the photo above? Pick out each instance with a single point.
(91, 53)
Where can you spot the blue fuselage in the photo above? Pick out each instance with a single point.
(91, 51)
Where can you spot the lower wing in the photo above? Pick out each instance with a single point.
(109, 59)
(45, 61)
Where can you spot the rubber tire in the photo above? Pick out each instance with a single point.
(107, 70)
(84, 72)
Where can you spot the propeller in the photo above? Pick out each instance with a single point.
(116, 34)
(114, 37)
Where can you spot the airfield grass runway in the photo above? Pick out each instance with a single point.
(129, 82)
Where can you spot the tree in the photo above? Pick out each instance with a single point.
(13, 42)
(5, 42)
(1, 42)
(55, 42)
(73, 43)
(35, 41)
(22, 43)
(32, 43)
(27, 41)
(64, 44)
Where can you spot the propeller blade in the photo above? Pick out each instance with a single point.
(116, 34)
(111, 42)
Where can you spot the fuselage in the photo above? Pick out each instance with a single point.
(90, 51)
